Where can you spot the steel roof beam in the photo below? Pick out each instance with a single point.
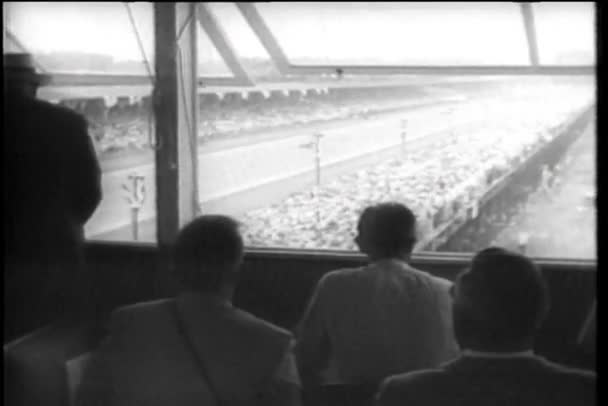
(223, 45)
(266, 37)
(530, 27)
(272, 46)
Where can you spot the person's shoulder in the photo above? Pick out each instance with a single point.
(438, 281)
(575, 386)
(412, 385)
(415, 378)
(139, 312)
(59, 112)
(261, 336)
(574, 375)
(342, 274)
(343, 280)
(253, 324)
(142, 307)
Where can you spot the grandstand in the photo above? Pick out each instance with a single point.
(475, 159)
(283, 112)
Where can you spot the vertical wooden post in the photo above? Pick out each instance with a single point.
(188, 108)
(175, 111)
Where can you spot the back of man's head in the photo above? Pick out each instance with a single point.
(207, 253)
(21, 81)
(499, 302)
(386, 230)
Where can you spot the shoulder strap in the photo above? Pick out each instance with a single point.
(201, 365)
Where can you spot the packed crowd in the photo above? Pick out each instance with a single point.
(133, 135)
(129, 131)
(444, 179)
(219, 121)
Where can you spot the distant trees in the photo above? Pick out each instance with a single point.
(75, 61)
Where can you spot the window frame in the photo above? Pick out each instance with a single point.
(176, 108)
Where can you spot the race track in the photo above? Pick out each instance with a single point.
(268, 170)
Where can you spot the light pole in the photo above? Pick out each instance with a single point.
(451, 120)
(136, 198)
(315, 145)
(403, 138)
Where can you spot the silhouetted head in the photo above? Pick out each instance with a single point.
(499, 302)
(208, 253)
(20, 76)
(386, 230)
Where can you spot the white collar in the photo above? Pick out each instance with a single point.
(484, 354)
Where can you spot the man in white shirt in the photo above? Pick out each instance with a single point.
(367, 323)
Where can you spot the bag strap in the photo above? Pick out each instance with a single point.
(199, 361)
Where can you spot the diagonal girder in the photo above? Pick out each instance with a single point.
(279, 57)
(528, 17)
(218, 37)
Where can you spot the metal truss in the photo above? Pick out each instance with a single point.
(210, 26)
(272, 46)
(240, 77)
(528, 17)
(221, 42)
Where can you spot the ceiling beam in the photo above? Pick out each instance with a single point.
(273, 48)
(530, 27)
(220, 40)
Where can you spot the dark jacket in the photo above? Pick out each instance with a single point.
(470, 381)
(52, 185)
(148, 359)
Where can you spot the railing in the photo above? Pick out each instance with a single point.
(460, 219)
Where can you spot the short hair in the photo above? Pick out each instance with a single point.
(207, 251)
(502, 298)
(388, 228)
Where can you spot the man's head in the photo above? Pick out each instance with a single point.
(20, 76)
(386, 230)
(208, 253)
(499, 302)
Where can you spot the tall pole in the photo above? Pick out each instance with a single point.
(317, 146)
(175, 84)
(403, 138)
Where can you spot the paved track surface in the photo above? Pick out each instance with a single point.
(236, 167)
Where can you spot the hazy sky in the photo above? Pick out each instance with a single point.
(382, 32)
